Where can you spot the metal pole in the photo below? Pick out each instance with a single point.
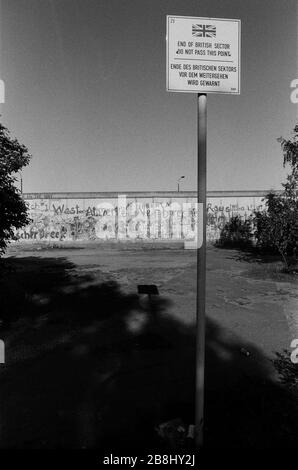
(201, 272)
(178, 187)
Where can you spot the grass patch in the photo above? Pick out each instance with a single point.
(274, 271)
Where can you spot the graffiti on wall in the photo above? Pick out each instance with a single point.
(220, 212)
(127, 218)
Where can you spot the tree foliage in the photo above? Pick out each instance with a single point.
(275, 229)
(13, 210)
(277, 226)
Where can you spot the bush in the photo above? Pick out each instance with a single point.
(237, 233)
(276, 229)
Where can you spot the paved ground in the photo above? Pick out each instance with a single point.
(89, 363)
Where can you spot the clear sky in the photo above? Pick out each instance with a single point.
(86, 93)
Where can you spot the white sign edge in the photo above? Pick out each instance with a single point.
(238, 92)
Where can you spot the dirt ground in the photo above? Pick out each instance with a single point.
(92, 364)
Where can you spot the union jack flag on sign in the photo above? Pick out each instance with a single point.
(204, 30)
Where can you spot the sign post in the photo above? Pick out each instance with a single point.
(203, 56)
(201, 271)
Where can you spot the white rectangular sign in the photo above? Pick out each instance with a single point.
(203, 55)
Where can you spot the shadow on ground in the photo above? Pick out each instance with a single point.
(90, 366)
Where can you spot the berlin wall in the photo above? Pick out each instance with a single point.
(59, 217)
